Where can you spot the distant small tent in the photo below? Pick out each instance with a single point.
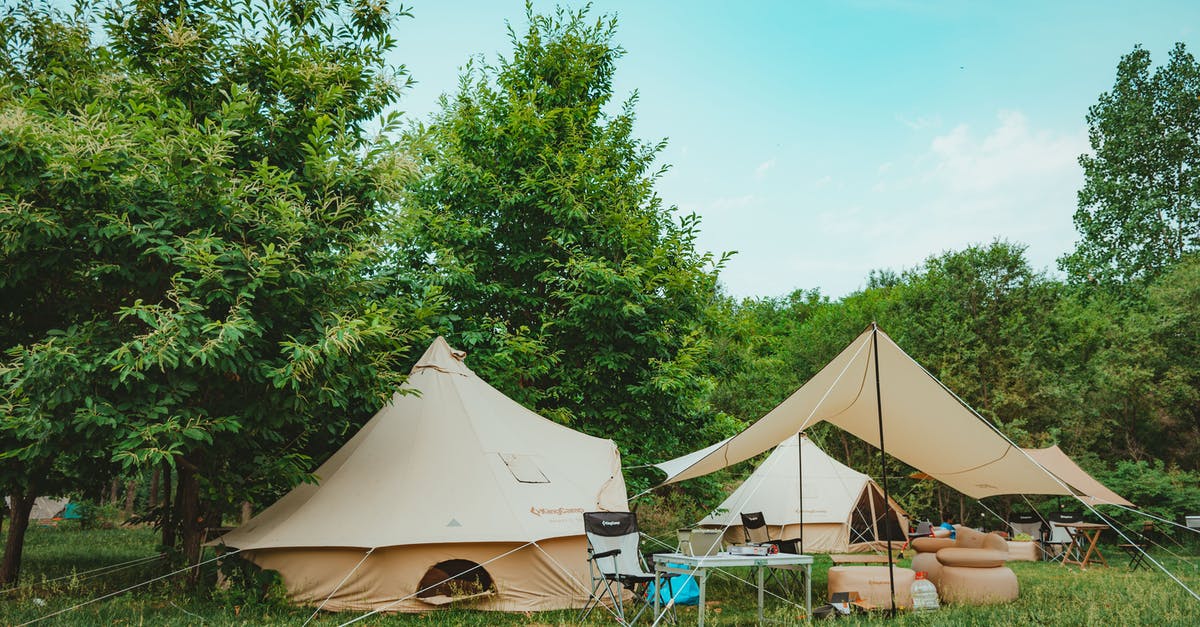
(843, 509)
(454, 494)
(45, 507)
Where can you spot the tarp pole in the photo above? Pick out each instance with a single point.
(883, 461)
(800, 476)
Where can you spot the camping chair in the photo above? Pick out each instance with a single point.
(1059, 538)
(1028, 523)
(755, 528)
(1137, 546)
(613, 557)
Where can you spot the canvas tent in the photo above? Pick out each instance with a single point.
(924, 424)
(44, 507)
(843, 509)
(457, 479)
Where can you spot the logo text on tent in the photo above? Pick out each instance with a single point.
(554, 511)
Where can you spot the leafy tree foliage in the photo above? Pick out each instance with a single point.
(1139, 209)
(577, 290)
(194, 224)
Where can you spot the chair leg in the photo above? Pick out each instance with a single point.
(605, 588)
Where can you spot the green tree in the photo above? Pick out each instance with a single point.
(579, 293)
(1139, 209)
(978, 320)
(194, 223)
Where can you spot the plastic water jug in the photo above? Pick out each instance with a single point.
(924, 594)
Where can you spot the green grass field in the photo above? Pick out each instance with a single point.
(56, 558)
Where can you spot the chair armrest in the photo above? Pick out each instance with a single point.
(931, 545)
(596, 556)
(972, 558)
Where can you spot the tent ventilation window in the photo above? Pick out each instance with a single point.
(523, 468)
(453, 580)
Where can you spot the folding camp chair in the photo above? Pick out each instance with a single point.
(924, 530)
(1136, 548)
(1059, 538)
(755, 528)
(1030, 524)
(613, 557)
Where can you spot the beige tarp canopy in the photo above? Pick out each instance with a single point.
(1089, 490)
(924, 425)
(435, 483)
(843, 509)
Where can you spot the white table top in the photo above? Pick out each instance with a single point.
(725, 559)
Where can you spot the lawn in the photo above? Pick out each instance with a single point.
(56, 559)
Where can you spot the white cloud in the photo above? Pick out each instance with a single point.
(969, 184)
(730, 203)
(760, 172)
(920, 122)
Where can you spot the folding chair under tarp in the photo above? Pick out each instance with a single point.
(614, 558)
(754, 525)
(1058, 539)
(1030, 524)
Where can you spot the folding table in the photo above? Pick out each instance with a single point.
(699, 565)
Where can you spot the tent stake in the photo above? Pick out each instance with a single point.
(883, 463)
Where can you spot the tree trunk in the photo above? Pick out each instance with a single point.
(130, 495)
(247, 511)
(170, 506)
(113, 491)
(191, 525)
(153, 497)
(10, 567)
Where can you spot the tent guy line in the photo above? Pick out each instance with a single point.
(111, 568)
(339, 586)
(124, 590)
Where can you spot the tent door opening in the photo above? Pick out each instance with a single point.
(455, 579)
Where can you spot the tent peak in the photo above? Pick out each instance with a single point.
(441, 357)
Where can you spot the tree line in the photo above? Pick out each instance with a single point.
(221, 250)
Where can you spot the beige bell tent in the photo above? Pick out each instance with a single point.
(843, 509)
(456, 481)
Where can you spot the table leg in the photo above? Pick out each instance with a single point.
(808, 589)
(1070, 547)
(759, 571)
(657, 573)
(1093, 538)
(703, 584)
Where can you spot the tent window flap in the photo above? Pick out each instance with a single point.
(524, 468)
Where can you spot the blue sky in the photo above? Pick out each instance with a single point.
(822, 140)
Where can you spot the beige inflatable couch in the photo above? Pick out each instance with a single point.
(969, 569)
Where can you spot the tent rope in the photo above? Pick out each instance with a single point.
(338, 587)
(99, 572)
(572, 577)
(124, 590)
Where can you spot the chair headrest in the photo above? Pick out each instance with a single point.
(610, 524)
(753, 520)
